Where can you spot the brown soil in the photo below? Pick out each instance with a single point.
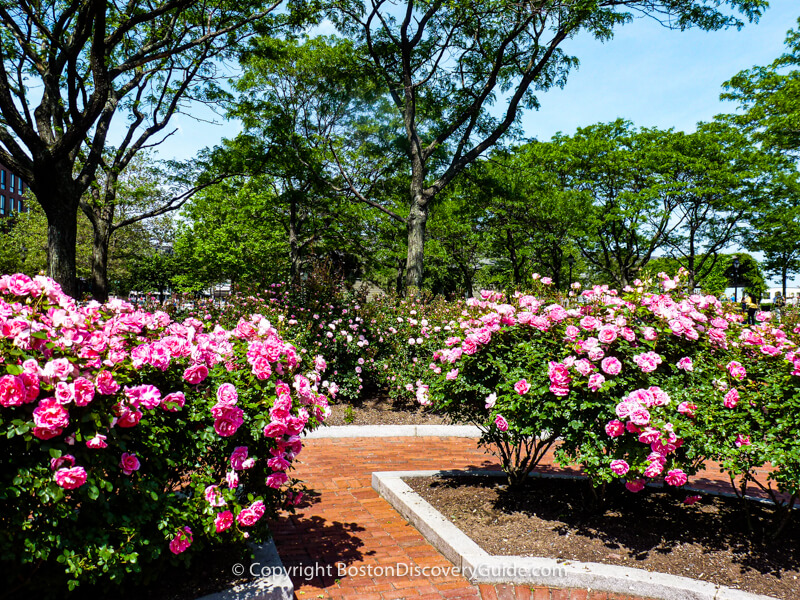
(651, 530)
(379, 409)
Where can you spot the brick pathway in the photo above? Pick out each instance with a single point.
(346, 523)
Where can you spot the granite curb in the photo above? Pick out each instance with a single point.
(378, 431)
(481, 567)
(273, 583)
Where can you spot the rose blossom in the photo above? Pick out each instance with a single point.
(65, 460)
(596, 381)
(232, 479)
(689, 500)
(611, 365)
(731, 398)
(195, 374)
(615, 428)
(490, 400)
(213, 496)
(501, 423)
(250, 515)
(223, 521)
(676, 477)
(686, 364)
(98, 441)
(12, 391)
(173, 402)
(522, 387)
(637, 485)
(50, 418)
(181, 541)
(619, 467)
(69, 479)
(129, 463)
(105, 383)
(736, 370)
(238, 457)
(227, 395)
(742, 440)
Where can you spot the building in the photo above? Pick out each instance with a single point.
(12, 192)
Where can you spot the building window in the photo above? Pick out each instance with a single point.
(13, 204)
(2, 179)
(12, 187)
(2, 205)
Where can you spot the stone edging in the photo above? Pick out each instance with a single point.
(274, 584)
(481, 567)
(374, 431)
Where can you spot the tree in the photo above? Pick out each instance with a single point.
(446, 64)
(776, 229)
(68, 68)
(770, 99)
(118, 199)
(716, 178)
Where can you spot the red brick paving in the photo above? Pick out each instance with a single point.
(346, 523)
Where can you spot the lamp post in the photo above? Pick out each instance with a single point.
(571, 261)
(735, 278)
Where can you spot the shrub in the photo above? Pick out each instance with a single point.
(131, 442)
(645, 386)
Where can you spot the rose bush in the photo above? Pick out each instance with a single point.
(131, 441)
(648, 385)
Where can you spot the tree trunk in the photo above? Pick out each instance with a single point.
(102, 237)
(401, 274)
(294, 249)
(417, 220)
(62, 231)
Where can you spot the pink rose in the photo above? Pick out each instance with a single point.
(637, 485)
(106, 384)
(742, 440)
(522, 387)
(147, 396)
(173, 402)
(228, 421)
(276, 480)
(50, 415)
(640, 416)
(676, 477)
(83, 391)
(64, 460)
(686, 364)
(736, 370)
(731, 398)
(69, 479)
(126, 415)
(687, 408)
(223, 521)
(227, 395)
(451, 375)
(64, 392)
(97, 442)
(238, 457)
(129, 463)
(195, 374)
(689, 500)
(213, 496)
(596, 381)
(611, 365)
(181, 541)
(501, 423)
(12, 391)
(607, 334)
(232, 479)
(615, 428)
(250, 515)
(619, 467)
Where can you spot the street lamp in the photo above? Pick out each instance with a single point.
(571, 261)
(735, 278)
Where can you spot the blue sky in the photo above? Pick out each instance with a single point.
(647, 74)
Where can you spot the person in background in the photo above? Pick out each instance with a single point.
(778, 305)
(749, 305)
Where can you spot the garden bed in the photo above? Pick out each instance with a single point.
(379, 409)
(709, 540)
